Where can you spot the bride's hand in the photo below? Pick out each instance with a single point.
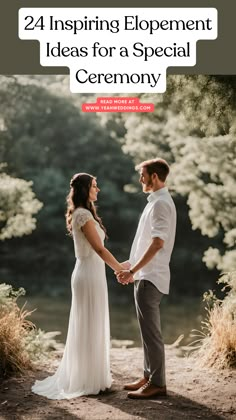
(121, 267)
(126, 265)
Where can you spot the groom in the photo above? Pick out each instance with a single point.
(149, 269)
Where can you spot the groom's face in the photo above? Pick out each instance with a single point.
(146, 180)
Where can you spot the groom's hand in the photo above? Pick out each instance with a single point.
(126, 265)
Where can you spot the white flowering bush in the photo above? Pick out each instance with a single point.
(18, 205)
(206, 172)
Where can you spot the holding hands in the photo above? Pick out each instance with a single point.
(124, 276)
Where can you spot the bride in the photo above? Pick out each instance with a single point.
(85, 365)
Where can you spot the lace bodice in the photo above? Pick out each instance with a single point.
(81, 245)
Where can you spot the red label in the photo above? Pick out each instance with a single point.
(117, 104)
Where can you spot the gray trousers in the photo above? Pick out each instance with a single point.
(147, 302)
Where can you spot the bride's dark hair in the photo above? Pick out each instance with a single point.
(78, 196)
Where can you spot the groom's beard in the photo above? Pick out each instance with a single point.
(148, 186)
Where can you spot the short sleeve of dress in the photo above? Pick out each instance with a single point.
(82, 216)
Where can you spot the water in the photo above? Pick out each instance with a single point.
(178, 317)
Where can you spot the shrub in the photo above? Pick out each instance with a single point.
(21, 343)
(218, 343)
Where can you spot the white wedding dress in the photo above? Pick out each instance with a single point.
(85, 365)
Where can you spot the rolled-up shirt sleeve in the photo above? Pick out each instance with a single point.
(160, 220)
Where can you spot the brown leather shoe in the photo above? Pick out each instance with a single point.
(136, 385)
(148, 391)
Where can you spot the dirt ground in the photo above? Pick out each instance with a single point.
(193, 393)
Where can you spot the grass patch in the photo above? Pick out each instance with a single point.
(217, 343)
(21, 343)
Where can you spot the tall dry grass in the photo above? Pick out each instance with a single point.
(13, 329)
(21, 343)
(217, 345)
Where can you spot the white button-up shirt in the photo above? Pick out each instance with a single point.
(157, 220)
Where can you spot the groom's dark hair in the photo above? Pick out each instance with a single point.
(155, 166)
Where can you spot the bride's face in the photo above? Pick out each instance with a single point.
(93, 192)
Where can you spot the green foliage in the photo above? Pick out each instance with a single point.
(193, 127)
(18, 205)
(8, 295)
(40, 344)
(47, 139)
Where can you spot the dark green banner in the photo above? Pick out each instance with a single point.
(22, 57)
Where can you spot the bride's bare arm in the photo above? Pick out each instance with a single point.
(93, 238)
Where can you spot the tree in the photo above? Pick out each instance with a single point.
(45, 138)
(194, 128)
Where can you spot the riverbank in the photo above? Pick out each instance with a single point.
(193, 393)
